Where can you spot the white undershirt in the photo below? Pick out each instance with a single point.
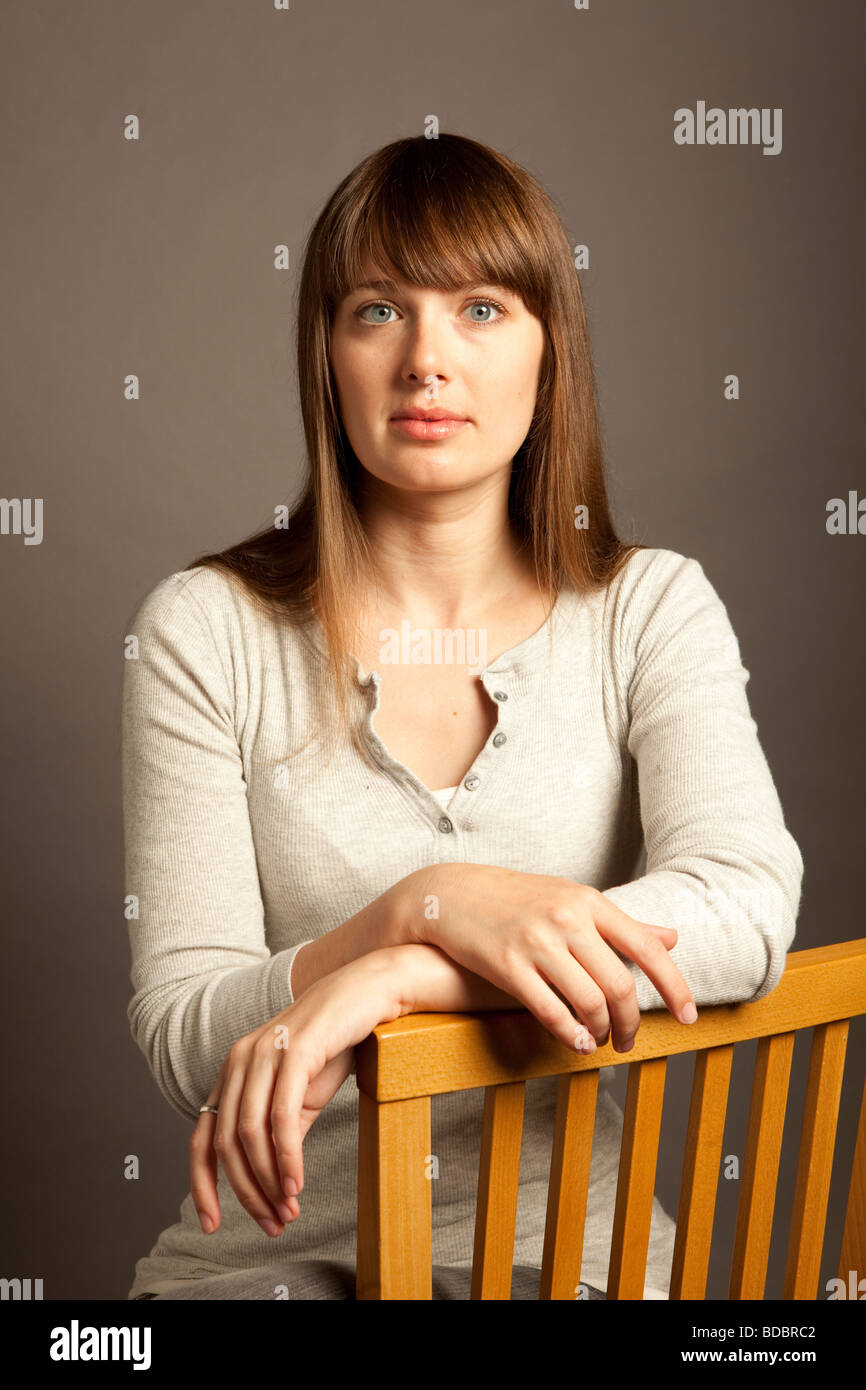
(444, 795)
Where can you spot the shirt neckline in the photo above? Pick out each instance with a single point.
(523, 655)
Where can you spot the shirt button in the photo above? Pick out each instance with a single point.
(500, 695)
(499, 739)
(445, 825)
(471, 783)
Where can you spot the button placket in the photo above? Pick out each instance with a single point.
(401, 776)
(420, 796)
(473, 781)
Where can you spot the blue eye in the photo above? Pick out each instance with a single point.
(486, 304)
(386, 307)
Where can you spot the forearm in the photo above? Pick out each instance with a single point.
(376, 927)
(427, 980)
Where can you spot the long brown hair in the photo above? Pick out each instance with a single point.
(436, 212)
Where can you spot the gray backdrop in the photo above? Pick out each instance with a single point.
(155, 257)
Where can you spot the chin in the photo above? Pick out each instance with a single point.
(417, 464)
(438, 473)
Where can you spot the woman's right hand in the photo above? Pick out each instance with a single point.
(549, 942)
(276, 1081)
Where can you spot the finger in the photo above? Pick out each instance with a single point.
(668, 936)
(203, 1165)
(646, 950)
(540, 999)
(580, 987)
(662, 931)
(290, 1088)
(604, 974)
(254, 1127)
(231, 1154)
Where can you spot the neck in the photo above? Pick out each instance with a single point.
(442, 557)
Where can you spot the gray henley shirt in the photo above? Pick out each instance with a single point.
(623, 741)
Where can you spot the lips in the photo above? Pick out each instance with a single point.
(436, 423)
(435, 412)
(427, 428)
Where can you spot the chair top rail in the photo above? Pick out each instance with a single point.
(429, 1054)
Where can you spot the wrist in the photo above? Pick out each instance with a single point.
(393, 973)
(413, 911)
(423, 979)
(417, 975)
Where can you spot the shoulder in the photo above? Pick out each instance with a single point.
(654, 578)
(661, 597)
(190, 640)
(201, 603)
(650, 572)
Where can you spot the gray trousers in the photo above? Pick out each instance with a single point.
(334, 1279)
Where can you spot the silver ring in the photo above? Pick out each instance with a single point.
(208, 1110)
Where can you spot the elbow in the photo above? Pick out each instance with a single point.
(776, 923)
(155, 1037)
(737, 918)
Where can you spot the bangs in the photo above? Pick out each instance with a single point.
(441, 216)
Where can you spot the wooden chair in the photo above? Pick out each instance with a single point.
(402, 1064)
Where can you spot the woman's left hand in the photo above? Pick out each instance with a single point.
(276, 1080)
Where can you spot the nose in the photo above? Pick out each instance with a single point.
(425, 352)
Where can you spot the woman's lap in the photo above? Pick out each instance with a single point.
(332, 1279)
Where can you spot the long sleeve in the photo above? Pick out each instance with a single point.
(721, 866)
(202, 973)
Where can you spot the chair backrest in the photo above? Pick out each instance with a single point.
(402, 1064)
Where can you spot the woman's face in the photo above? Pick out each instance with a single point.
(473, 354)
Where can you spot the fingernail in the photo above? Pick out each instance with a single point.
(206, 1223)
(689, 1013)
(291, 1188)
(285, 1213)
(271, 1228)
(584, 1041)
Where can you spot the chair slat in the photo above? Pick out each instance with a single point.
(636, 1180)
(761, 1166)
(498, 1186)
(395, 1202)
(706, 1129)
(853, 1252)
(815, 1162)
(570, 1159)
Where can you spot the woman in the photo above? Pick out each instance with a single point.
(402, 753)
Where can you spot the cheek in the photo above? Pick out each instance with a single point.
(512, 386)
(349, 381)
(358, 375)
